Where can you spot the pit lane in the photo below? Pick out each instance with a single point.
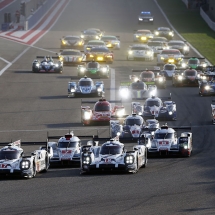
(32, 104)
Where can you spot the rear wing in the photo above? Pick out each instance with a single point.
(16, 143)
(163, 98)
(24, 143)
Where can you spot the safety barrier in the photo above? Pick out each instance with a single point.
(207, 19)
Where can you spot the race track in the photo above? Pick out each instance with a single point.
(32, 104)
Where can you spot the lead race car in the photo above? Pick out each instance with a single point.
(112, 156)
(86, 87)
(162, 108)
(102, 112)
(47, 64)
(71, 41)
(91, 34)
(13, 161)
(165, 141)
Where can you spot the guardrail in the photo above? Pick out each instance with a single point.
(207, 19)
(185, 2)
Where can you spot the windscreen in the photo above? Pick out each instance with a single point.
(133, 122)
(99, 50)
(71, 38)
(171, 52)
(190, 73)
(163, 29)
(175, 44)
(137, 86)
(154, 43)
(68, 144)
(152, 103)
(9, 155)
(195, 61)
(108, 38)
(139, 48)
(70, 53)
(96, 43)
(85, 83)
(110, 150)
(90, 33)
(143, 32)
(163, 136)
(147, 75)
(92, 65)
(169, 67)
(102, 107)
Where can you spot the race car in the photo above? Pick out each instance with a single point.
(159, 107)
(137, 89)
(100, 54)
(140, 52)
(102, 112)
(92, 34)
(132, 127)
(168, 70)
(170, 56)
(207, 88)
(94, 70)
(180, 45)
(47, 65)
(165, 141)
(213, 111)
(94, 44)
(142, 35)
(85, 87)
(207, 75)
(71, 41)
(150, 77)
(197, 63)
(188, 77)
(14, 163)
(157, 46)
(112, 156)
(158, 39)
(145, 16)
(71, 56)
(112, 42)
(67, 149)
(164, 32)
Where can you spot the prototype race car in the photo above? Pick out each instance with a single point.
(173, 56)
(140, 52)
(164, 32)
(111, 41)
(94, 44)
(150, 77)
(165, 141)
(159, 107)
(145, 16)
(86, 87)
(92, 34)
(168, 70)
(102, 112)
(188, 77)
(213, 111)
(100, 54)
(47, 65)
(207, 88)
(137, 89)
(157, 46)
(132, 127)
(66, 151)
(13, 161)
(71, 41)
(71, 56)
(180, 45)
(197, 63)
(112, 156)
(94, 70)
(142, 35)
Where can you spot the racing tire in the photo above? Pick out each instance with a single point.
(47, 164)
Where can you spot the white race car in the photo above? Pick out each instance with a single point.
(168, 70)
(112, 156)
(180, 45)
(157, 46)
(13, 161)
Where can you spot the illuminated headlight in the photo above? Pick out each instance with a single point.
(130, 52)
(151, 19)
(203, 77)
(86, 160)
(88, 48)
(170, 113)
(185, 48)
(139, 110)
(140, 19)
(137, 36)
(153, 92)
(156, 33)
(162, 58)
(179, 77)
(97, 37)
(37, 64)
(87, 115)
(120, 112)
(123, 92)
(100, 58)
(185, 147)
(25, 164)
(204, 64)
(129, 159)
(82, 36)
(91, 55)
(170, 33)
(207, 87)
(99, 89)
(171, 60)
(56, 65)
(160, 79)
(139, 113)
(80, 43)
(179, 58)
(143, 38)
(184, 65)
(104, 69)
(149, 53)
(80, 58)
(64, 42)
(72, 90)
(118, 133)
(61, 58)
(82, 69)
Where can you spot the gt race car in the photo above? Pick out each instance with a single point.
(140, 52)
(47, 64)
(159, 39)
(197, 63)
(145, 17)
(71, 41)
(164, 32)
(112, 156)
(91, 34)
(93, 44)
(132, 127)
(112, 42)
(165, 141)
(14, 163)
(66, 150)
(188, 77)
(173, 56)
(102, 112)
(162, 108)
(142, 35)
(71, 57)
(137, 89)
(157, 46)
(94, 69)
(180, 45)
(86, 87)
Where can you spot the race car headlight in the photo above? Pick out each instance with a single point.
(86, 160)
(179, 77)
(162, 58)
(204, 77)
(99, 89)
(37, 65)
(56, 65)
(80, 58)
(140, 19)
(82, 69)
(25, 164)
(153, 92)
(184, 65)
(179, 58)
(139, 110)
(61, 58)
(149, 53)
(185, 48)
(185, 147)
(130, 52)
(104, 69)
(120, 112)
(64, 42)
(87, 115)
(97, 37)
(72, 90)
(170, 33)
(204, 65)
(156, 33)
(91, 55)
(82, 36)
(207, 87)
(129, 159)
(150, 19)
(123, 92)
(143, 38)
(170, 112)
(80, 43)
(118, 133)
(160, 79)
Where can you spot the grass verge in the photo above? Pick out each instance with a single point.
(191, 26)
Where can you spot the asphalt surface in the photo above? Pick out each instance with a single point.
(32, 104)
